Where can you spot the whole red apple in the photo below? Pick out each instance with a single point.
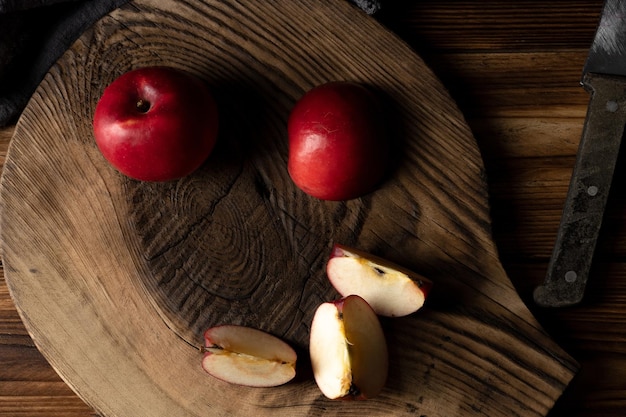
(156, 123)
(337, 144)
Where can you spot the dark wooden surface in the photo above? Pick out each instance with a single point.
(514, 69)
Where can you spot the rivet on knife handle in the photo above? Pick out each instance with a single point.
(585, 203)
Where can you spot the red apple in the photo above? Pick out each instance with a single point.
(337, 144)
(156, 123)
(348, 349)
(390, 289)
(247, 356)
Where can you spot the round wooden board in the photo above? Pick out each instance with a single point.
(116, 279)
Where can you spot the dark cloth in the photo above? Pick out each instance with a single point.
(35, 33)
(368, 6)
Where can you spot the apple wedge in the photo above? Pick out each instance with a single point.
(391, 290)
(247, 356)
(348, 349)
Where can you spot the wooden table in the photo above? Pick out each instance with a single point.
(514, 68)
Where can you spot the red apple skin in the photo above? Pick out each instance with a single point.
(156, 123)
(337, 144)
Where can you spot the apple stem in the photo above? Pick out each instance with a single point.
(143, 106)
(354, 391)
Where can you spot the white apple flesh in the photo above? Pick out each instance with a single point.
(247, 356)
(391, 290)
(348, 349)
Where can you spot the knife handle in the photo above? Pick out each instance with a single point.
(586, 199)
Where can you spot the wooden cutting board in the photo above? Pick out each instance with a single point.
(116, 279)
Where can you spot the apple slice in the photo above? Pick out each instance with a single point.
(390, 289)
(247, 356)
(348, 349)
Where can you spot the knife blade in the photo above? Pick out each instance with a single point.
(604, 77)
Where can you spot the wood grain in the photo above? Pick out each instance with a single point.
(144, 268)
(527, 181)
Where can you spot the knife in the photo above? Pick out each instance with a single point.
(604, 77)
